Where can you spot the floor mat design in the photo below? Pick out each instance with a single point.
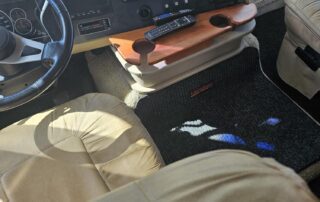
(270, 31)
(241, 110)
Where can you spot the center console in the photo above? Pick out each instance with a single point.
(216, 36)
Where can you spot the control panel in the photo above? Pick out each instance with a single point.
(98, 18)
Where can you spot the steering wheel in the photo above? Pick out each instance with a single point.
(53, 55)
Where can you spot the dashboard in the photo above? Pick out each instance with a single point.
(19, 16)
(94, 19)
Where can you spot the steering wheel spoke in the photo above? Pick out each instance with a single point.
(18, 56)
(42, 14)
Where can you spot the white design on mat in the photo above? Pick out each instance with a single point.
(194, 128)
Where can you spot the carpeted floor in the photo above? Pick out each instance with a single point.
(242, 110)
(270, 31)
(75, 81)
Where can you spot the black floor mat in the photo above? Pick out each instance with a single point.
(270, 31)
(315, 187)
(75, 81)
(242, 110)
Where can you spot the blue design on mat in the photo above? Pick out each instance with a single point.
(228, 138)
(265, 146)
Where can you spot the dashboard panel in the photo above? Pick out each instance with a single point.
(94, 19)
(98, 18)
(19, 16)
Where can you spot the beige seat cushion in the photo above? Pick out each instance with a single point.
(75, 152)
(220, 176)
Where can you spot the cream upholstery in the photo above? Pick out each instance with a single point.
(303, 29)
(221, 176)
(75, 152)
(303, 20)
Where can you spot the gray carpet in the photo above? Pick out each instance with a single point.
(242, 110)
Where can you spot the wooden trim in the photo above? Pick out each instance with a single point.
(90, 45)
(186, 41)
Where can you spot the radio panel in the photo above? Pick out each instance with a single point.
(94, 26)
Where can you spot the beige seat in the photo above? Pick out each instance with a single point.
(75, 152)
(303, 29)
(220, 176)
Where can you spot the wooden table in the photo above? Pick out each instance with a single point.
(184, 42)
